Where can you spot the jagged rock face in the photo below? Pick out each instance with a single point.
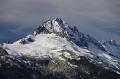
(112, 42)
(113, 48)
(53, 65)
(15, 69)
(2, 52)
(60, 28)
(91, 40)
(33, 68)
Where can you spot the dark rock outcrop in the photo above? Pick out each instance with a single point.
(2, 52)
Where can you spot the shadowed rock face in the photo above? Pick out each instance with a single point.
(52, 68)
(3, 52)
(16, 69)
(62, 29)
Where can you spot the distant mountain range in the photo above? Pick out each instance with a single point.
(57, 51)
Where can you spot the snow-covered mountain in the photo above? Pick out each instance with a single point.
(55, 40)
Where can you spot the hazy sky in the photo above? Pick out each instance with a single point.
(98, 18)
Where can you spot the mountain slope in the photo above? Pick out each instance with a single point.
(57, 49)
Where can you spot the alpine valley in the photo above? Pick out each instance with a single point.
(57, 51)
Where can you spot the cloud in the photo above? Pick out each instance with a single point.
(88, 15)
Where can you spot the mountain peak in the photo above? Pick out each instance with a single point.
(62, 29)
(60, 23)
(55, 42)
(59, 20)
(112, 42)
(51, 26)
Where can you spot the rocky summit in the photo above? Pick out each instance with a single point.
(57, 51)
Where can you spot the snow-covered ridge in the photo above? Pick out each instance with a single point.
(54, 36)
(113, 48)
(62, 29)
